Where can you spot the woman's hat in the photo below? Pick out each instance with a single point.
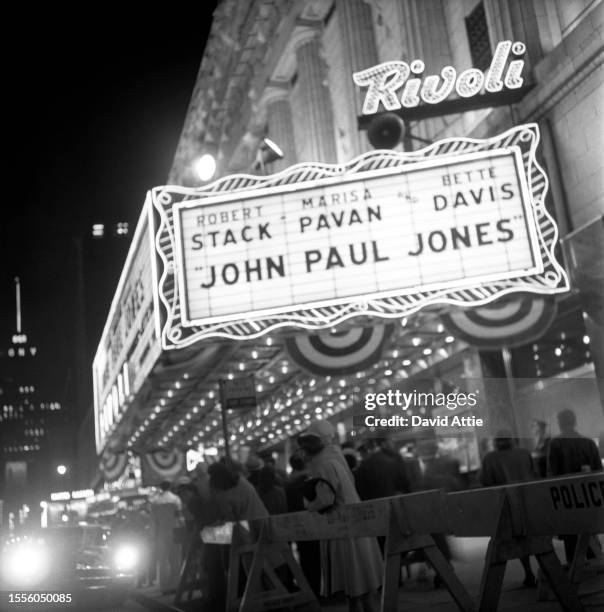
(253, 463)
(320, 429)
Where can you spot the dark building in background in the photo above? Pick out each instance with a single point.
(35, 431)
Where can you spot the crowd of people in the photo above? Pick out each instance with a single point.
(324, 475)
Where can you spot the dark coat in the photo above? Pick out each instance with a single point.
(573, 453)
(500, 467)
(382, 474)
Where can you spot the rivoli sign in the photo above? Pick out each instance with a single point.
(399, 85)
(461, 222)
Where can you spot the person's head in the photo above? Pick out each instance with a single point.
(318, 435)
(409, 450)
(186, 492)
(267, 457)
(365, 449)
(310, 443)
(222, 476)
(428, 448)
(538, 428)
(503, 440)
(385, 445)
(567, 420)
(296, 462)
(164, 485)
(253, 463)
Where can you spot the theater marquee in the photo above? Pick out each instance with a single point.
(460, 222)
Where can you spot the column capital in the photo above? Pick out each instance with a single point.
(286, 66)
(303, 34)
(274, 93)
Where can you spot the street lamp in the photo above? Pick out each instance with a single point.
(205, 167)
(61, 470)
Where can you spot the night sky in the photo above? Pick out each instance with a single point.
(96, 107)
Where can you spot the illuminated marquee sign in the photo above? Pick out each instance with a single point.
(384, 81)
(460, 222)
(129, 345)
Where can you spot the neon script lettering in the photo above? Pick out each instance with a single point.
(384, 80)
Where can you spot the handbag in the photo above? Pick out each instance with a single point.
(309, 491)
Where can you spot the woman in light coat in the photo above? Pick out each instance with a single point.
(352, 565)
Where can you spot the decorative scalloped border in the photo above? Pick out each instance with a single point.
(552, 280)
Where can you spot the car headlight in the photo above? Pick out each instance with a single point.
(25, 563)
(126, 557)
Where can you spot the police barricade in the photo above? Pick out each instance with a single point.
(407, 522)
(191, 572)
(520, 520)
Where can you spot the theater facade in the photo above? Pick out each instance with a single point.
(431, 240)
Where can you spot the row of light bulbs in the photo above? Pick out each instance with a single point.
(295, 422)
(212, 430)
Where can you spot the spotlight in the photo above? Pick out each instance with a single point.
(267, 153)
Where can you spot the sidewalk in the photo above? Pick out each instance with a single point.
(152, 599)
(469, 555)
(416, 596)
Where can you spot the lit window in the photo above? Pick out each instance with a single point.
(121, 228)
(98, 230)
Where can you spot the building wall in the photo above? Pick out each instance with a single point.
(578, 124)
(231, 88)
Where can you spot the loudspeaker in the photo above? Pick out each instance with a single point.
(386, 131)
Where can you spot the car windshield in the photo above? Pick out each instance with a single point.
(75, 537)
(95, 536)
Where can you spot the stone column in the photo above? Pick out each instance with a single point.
(487, 373)
(314, 99)
(426, 31)
(359, 52)
(280, 126)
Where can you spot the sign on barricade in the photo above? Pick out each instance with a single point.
(568, 505)
(220, 534)
(368, 518)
